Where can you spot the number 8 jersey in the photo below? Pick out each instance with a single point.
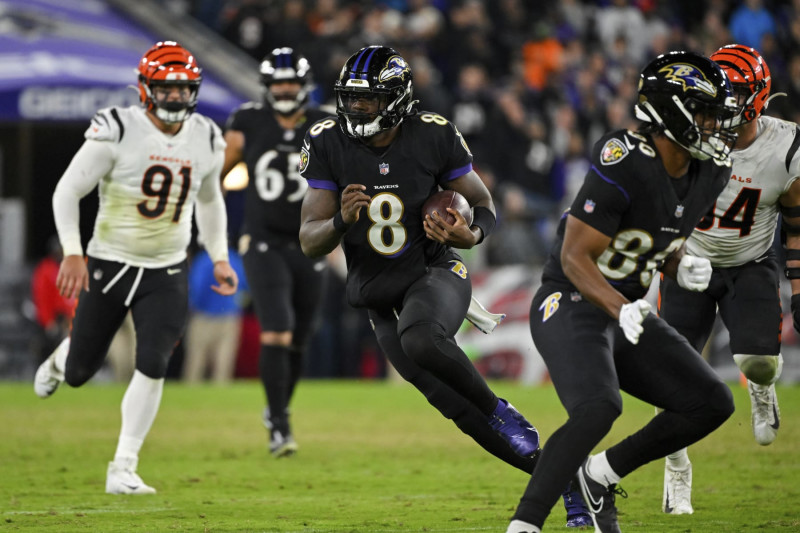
(628, 196)
(386, 249)
(147, 182)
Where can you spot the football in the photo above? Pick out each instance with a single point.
(441, 200)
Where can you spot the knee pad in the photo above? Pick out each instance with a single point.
(420, 340)
(760, 369)
(596, 417)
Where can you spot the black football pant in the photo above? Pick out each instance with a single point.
(590, 361)
(158, 300)
(419, 343)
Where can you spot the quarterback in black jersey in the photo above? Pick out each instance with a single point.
(286, 285)
(641, 198)
(369, 173)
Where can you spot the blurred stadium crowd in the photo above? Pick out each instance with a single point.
(531, 84)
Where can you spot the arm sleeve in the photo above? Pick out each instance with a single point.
(212, 220)
(92, 161)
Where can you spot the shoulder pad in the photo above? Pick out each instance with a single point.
(613, 151)
(106, 125)
(215, 138)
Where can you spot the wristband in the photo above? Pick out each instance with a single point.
(339, 224)
(484, 219)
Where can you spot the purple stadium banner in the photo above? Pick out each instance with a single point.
(61, 60)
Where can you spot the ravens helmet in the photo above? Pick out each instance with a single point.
(167, 63)
(284, 64)
(689, 98)
(749, 77)
(374, 72)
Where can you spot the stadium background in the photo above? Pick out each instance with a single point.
(531, 84)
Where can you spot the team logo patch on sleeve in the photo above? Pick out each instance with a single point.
(303, 160)
(613, 152)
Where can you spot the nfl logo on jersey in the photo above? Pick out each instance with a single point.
(588, 206)
(383, 168)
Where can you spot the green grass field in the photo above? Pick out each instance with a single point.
(374, 458)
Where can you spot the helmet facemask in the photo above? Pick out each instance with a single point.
(689, 99)
(378, 74)
(162, 69)
(392, 106)
(285, 65)
(169, 110)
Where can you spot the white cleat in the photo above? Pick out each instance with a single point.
(123, 479)
(48, 377)
(677, 490)
(766, 416)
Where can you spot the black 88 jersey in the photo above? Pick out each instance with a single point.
(386, 249)
(628, 196)
(275, 189)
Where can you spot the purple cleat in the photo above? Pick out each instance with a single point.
(515, 429)
(578, 515)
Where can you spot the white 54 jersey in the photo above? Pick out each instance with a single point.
(147, 181)
(742, 227)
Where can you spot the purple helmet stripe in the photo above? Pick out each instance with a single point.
(366, 65)
(355, 64)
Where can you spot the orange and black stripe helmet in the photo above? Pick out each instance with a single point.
(168, 63)
(749, 76)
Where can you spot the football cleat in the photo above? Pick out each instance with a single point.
(766, 416)
(514, 429)
(48, 377)
(281, 444)
(123, 479)
(518, 526)
(600, 501)
(677, 490)
(578, 516)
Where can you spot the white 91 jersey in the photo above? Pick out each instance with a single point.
(147, 198)
(743, 225)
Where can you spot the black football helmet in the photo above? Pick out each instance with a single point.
(284, 64)
(679, 94)
(374, 72)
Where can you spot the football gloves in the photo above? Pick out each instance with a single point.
(694, 273)
(630, 319)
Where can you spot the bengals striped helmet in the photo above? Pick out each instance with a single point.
(749, 76)
(169, 64)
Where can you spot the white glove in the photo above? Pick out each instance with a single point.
(694, 273)
(630, 319)
(481, 318)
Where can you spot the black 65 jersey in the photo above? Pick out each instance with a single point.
(628, 196)
(386, 249)
(275, 190)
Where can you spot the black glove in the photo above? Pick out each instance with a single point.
(796, 312)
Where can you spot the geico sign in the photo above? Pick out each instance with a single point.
(63, 103)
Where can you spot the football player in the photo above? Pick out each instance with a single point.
(286, 286)
(152, 164)
(641, 198)
(369, 174)
(737, 235)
